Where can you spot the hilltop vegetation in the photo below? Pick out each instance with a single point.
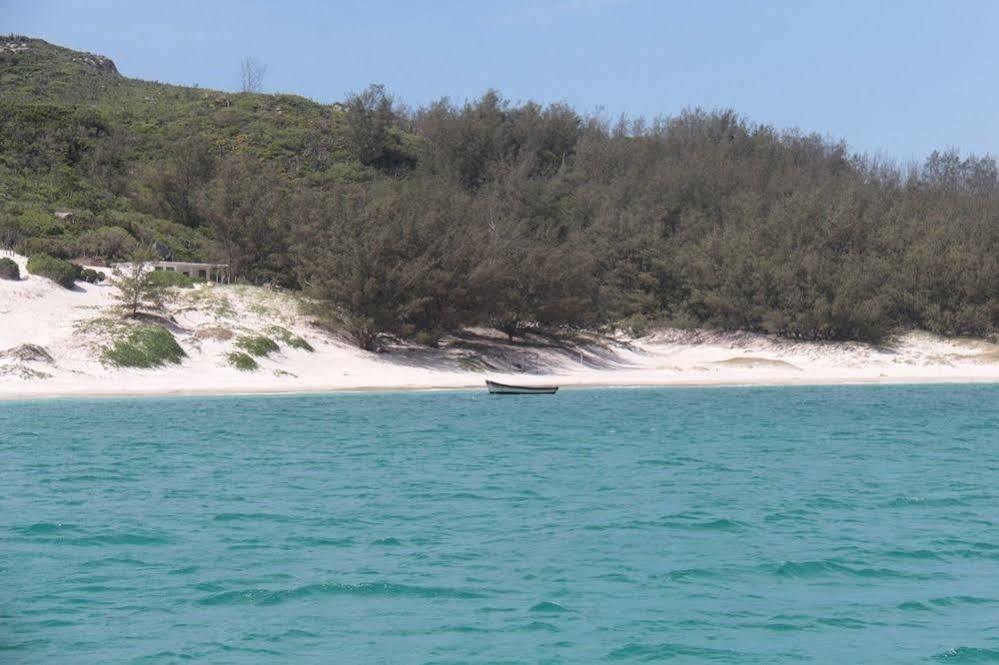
(417, 222)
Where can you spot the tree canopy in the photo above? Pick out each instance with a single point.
(421, 221)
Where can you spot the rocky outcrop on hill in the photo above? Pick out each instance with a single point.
(98, 62)
(14, 45)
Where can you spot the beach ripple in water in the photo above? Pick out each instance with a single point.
(831, 525)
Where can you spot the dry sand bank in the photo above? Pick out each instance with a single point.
(71, 326)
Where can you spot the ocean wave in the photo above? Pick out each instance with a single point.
(44, 528)
(830, 567)
(371, 589)
(775, 625)
(937, 502)
(691, 573)
(914, 554)
(842, 622)
(948, 601)
(251, 517)
(697, 521)
(827, 502)
(549, 607)
(795, 515)
(164, 657)
(540, 625)
(673, 650)
(322, 541)
(122, 538)
(969, 655)
(112, 561)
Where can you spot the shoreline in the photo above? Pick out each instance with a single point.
(53, 340)
(8, 397)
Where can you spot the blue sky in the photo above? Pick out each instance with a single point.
(896, 79)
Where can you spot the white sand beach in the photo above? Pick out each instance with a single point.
(71, 327)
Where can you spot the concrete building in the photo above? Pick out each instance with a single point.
(205, 272)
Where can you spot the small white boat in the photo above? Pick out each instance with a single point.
(506, 389)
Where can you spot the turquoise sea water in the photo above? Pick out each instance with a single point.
(828, 525)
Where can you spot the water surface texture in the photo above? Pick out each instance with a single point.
(834, 525)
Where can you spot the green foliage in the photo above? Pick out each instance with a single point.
(209, 298)
(111, 243)
(9, 269)
(490, 213)
(144, 346)
(427, 338)
(58, 247)
(256, 345)
(242, 361)
(176, 241)
(59, 271)
(289, 338)
(90, 275)
(35, 222)
(168, 278)
(150, 159)
(137, 286)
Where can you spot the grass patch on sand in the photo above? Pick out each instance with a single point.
(208, 299)
(242, 361)
(101, 325)
(989, 357)
(289, 338)
(473, 364)
(256, 345)
(217, 333)
(144, 346)
(749, 362)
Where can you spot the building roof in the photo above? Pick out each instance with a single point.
(188, 264)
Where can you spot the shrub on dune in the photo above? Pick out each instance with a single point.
(256, 345)
(91, 276)
(290, 338)
(242, 361)
(9, 269)
(59, 271)
(144, 346)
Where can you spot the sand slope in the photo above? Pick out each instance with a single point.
(72, 326)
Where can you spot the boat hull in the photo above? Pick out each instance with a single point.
(506, 389)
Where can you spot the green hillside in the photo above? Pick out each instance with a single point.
(418, 222)
(77, 136)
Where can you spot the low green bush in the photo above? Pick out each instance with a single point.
(167, 278)
(90, 275)
(290, 339)
(61, 247)
(144, 346)
(59, 271)
(256, 345)
(242, 361)
(428, 338)
(9, 269)
(36, 222)
(108, 242)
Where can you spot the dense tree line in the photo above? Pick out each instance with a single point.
(516, 216)
(419, 222)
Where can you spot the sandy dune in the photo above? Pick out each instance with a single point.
(72, 326)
